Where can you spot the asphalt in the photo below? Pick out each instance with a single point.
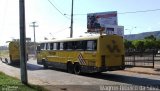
(140, 70)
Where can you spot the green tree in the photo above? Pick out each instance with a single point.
(139, 45)
(150, 42)
(127, 44)
(158, 44)
(151, 37)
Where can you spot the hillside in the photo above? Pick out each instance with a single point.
(142, 35)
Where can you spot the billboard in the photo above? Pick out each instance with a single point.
(96, 21)
(119, 30)
(111, 29)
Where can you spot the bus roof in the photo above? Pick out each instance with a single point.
(71, 39)
(74, 39)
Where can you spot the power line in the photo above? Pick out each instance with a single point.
(144, 11)
(140, 11)
(61, 30)
(58, 9)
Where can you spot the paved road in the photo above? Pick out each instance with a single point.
(59, 80)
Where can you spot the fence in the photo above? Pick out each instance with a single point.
(139, 59)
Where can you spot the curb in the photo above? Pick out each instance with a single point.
(143, 72)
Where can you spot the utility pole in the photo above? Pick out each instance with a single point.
(34, 25)
(23, 56)
(71, 33)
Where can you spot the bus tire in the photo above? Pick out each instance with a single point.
(45, 66)
(8, 61)
(77, 68)
(123, 67)
(69, 67)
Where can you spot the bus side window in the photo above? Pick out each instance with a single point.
(91, 45)
(42, 46)
(80, 45)
(70, 45)
(38, 49)
(56, 46)
(45, 47)
(51, 46)
(61, 46)
(84, 45)
(48, 46)
(65, 45)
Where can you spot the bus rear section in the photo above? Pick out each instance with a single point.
(14, 52)
(111, 53)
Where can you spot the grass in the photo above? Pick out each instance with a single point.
(8, 83)
(4, 53)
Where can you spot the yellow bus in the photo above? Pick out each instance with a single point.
(13, 55)
(89, 54)
(14, 52)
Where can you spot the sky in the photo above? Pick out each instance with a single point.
(51, 23)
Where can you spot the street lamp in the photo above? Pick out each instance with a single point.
(130, 30)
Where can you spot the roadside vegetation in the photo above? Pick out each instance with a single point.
(8, 83)
(148, 44)
(4, 52)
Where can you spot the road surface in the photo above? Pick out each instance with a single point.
(59, 80)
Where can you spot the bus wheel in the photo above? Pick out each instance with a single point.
(123, 67)
(45, 66)
(7, 61)
(77, 68)
(69, 67)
